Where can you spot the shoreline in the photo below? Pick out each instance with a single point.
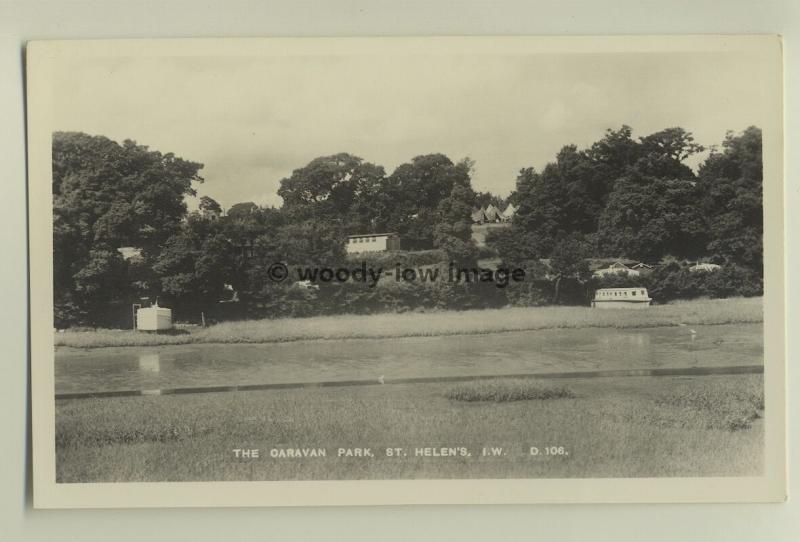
(291, 340)
(384, 326)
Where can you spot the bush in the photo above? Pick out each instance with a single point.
(729, 407)
(501, 391)
(404, 258)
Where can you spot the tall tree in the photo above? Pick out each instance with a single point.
(195, 264)
(326, 188)
(453, 231)
(210, 208)
(242, 211)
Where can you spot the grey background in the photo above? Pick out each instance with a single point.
(22, 20)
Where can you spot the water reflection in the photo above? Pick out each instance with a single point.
(495, 354)
(149, 363)
(638, 339)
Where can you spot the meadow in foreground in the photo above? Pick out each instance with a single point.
(413, 324)
(607, 427)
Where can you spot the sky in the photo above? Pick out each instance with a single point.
(252, 120)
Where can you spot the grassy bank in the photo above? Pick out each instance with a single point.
(390, 325)
(612, 427)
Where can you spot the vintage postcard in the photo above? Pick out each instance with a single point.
(406, 271)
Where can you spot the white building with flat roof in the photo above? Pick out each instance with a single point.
(372, 242)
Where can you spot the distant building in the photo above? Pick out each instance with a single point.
(617, 268)
(130, 253)
(372, 242)
(705, 267)
(642, 268)
(619, 298)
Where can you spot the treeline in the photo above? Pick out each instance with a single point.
(122, 231)
(110, 196)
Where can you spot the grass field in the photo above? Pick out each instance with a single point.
(391, 325)
(606, 427)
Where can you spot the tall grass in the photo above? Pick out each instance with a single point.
(471, 322)
(506, 390)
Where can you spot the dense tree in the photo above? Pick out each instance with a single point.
(194, 265)
(107, 196)
(731, 186)
(620, 197)
(569, 194)
(647, 218)
(483, 199)
(416, 189)
(634, 198)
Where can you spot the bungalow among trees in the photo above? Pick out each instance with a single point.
(619, 268)
(372, 242)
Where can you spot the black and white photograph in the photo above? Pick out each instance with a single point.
(553, 263)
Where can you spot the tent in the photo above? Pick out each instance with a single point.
(479, 216)
(493, 214)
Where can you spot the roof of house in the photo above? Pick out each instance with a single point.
(372, 235)
(705, 267)
(621, 289)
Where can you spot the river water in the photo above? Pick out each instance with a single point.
(552, 350)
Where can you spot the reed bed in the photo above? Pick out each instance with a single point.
(441, 323)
